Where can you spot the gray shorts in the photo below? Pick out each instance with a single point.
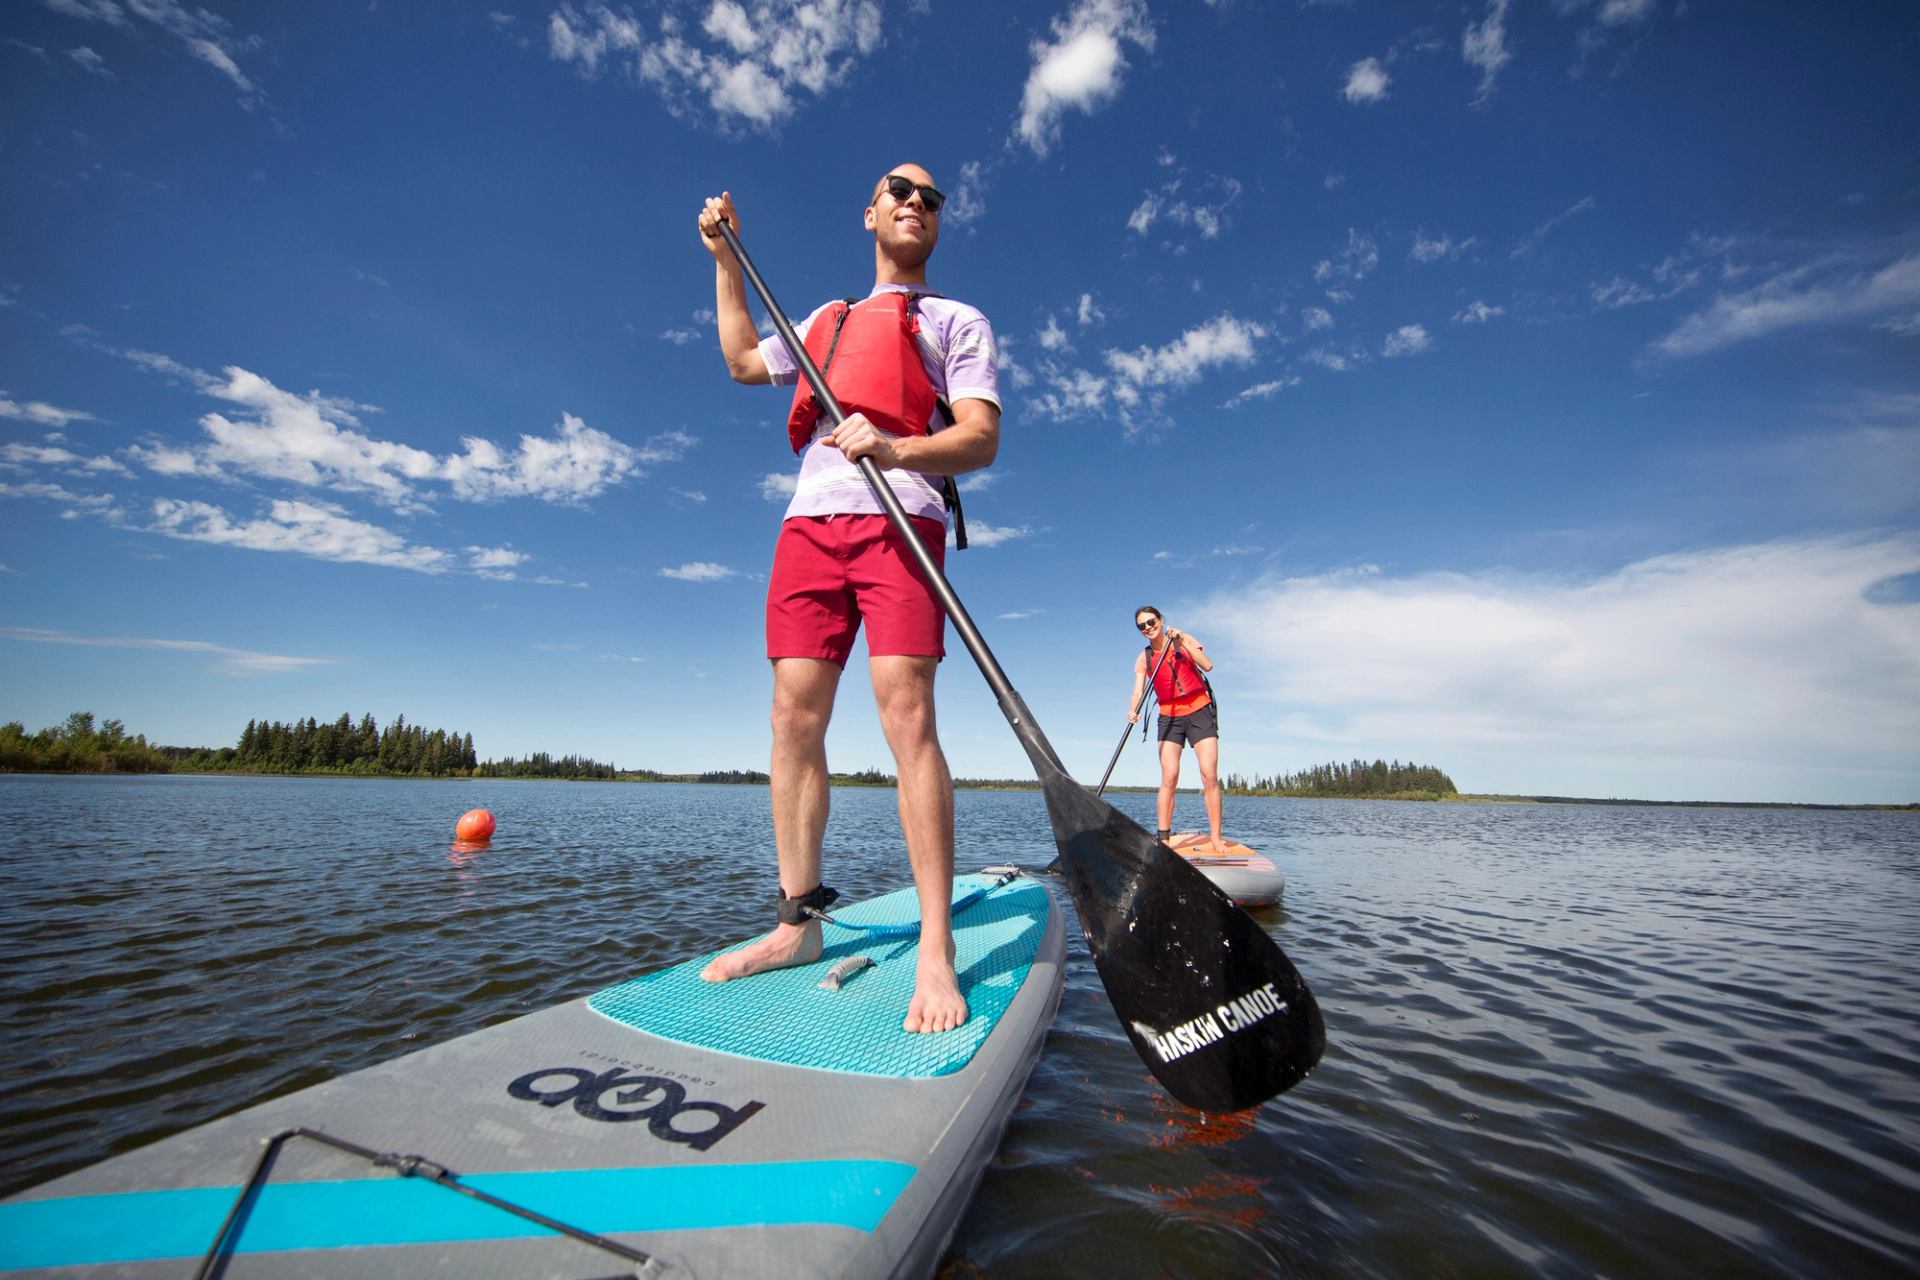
(1196, 726)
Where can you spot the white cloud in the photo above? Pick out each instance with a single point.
(1261, 391)
(699, 571)
(576, 463)
(319, 530)
(1407, 340)
(1136, 381)
(204, 35)
(315, 441)
(75, 503)
(227, 661)
(1088, 312)
(1531, 241)
(1621, 292)
(19, 455)
(1367, 81)
(982, 534)
(1432, 249)
(779, 486)
(1907, 326)
(91, 62)
(1617, 12)
(1337, 362)
(1081, 68)
(1484, 46)
(1477, 312)
(41, 412)
(1070, 393)
(747, 64)
(1677, 677)
(497, 563)
(1222, 340)
(1793, 300)
(1355, 262)
(1314, 319)
(967, 202)
(1205, 213)
(307, 440)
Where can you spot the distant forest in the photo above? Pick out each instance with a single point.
(361, 748)
(1378, 780)
(78, 746)
(343, 746)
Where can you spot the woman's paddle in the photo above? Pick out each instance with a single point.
(1126, 732)
(1213, 1007)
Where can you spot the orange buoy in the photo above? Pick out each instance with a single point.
(475, 827)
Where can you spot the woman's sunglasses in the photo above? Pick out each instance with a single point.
(1148, 625)
(902, 189)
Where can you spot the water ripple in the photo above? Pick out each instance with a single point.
(1562, 1040)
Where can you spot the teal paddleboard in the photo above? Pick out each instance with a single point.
(769, 1126)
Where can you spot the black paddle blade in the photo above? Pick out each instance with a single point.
(1213, 1006)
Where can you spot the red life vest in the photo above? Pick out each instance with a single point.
(869, 353)
(1178, 682)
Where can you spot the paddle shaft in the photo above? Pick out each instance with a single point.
(1128, 731)
(1010, 704)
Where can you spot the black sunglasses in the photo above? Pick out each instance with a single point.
(1150, 622)
(902, 189)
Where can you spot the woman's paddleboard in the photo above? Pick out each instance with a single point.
(777, 1125)
(1249, 878)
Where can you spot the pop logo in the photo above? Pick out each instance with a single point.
(658, 1101)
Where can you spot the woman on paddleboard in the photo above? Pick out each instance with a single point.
(1177, 663)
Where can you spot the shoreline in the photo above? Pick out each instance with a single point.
(985, 784)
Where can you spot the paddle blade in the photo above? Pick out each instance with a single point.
(1213, 1006)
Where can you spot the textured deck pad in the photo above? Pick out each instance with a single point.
(785, 1016)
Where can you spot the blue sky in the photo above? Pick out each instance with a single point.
(1530, 389)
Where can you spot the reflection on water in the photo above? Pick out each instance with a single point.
(1561, 1039)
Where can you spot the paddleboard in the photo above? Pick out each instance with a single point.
(1249, 878)
(777, 1125)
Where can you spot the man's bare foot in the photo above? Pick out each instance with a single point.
(937, 1004)
(786, 946)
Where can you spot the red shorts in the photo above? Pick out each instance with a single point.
(830, 572)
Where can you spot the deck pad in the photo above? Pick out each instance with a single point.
(786, 1016)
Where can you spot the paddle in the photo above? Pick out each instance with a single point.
(1128, 731)
(1213, 1007)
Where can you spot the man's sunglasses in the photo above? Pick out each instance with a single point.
(902, 189)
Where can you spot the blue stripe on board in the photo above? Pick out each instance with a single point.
(137, 1225)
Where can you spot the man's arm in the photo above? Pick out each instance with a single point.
(739, 340)
(968, 445)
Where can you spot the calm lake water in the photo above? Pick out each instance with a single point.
(1562, 1040)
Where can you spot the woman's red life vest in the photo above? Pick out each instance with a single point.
(869, 353)
(1178, 683)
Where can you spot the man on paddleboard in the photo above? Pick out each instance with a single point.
(918, 376)
(1187, 713)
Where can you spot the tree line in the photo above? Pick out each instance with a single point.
(79, 746)
(343, 746)
(346, 746)
(1378, 779)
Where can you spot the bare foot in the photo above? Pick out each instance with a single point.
(937, 1004)
(786, 946)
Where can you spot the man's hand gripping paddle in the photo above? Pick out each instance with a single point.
(1213, 1006)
